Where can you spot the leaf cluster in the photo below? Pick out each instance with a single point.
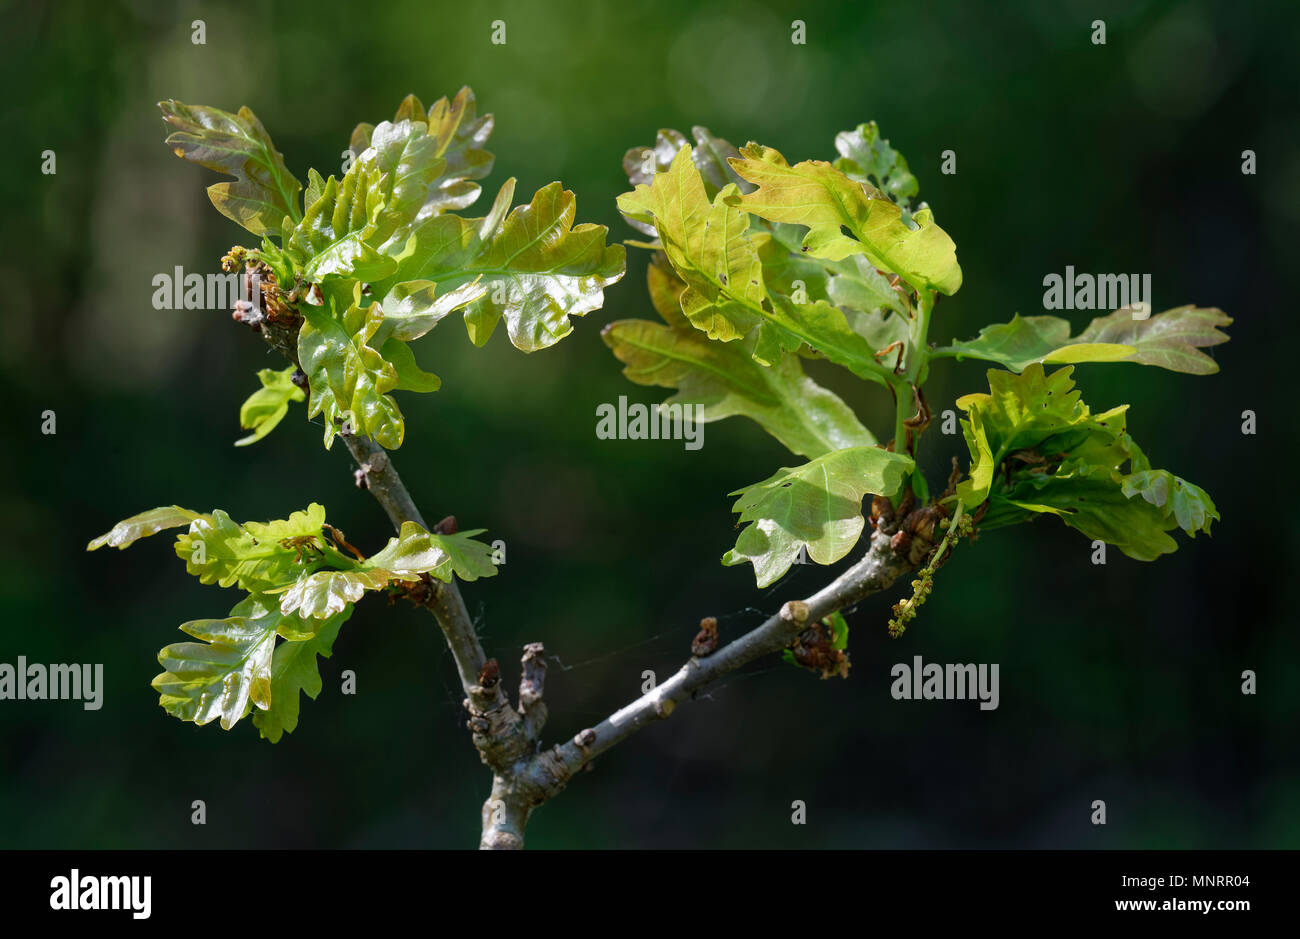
(375, 258)
(300, 588)
(760, 266)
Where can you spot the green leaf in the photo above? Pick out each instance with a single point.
(416, 551)
(458, 135)
(128, 531)
(532, 267)
(410, 377)
(264, 192)
(226, 673)
(1169, 340)
(348, 378)
(1185, 503)
(866, 157)
(1030, 411)
(710, 156)
(1091, 499)
(326, 593)
(294, 670)
(852, 284)
(1029, 339)
(219, 550)
(726, 381)
(414, 307)
(710, 247)
(816, 195)
(355, 227)
(1037, 449)
(267, 406)
(302, 523)
(665, 289)
(817, 506)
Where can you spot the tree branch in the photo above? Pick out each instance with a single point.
(533, 781)
(524, 776)
(377, 473)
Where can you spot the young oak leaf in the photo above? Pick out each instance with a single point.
(416, 551)
(866, 157)
(266, 407)
(817, 507)
(709, 246)
(1170, 340)
(357, 226)
(130, 530)
(710, 155)
(853, 284)
(326, 593)
(1038, 449)
(817, 195)
(293, 670)
(459, 136)
(227, 672)
(1185, 503)
(530, 266)
(219, 550)
(1033, 411)
(724, 378)
(1090, 499)
(1027, 340)
(348, 378)
(717, 258)
(264, 192)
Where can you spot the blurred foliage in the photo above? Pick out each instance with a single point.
(1123, 157)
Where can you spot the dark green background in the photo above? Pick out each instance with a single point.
(1118, 683)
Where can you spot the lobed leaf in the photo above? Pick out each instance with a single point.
(266, 407)
(264, 192)
(726, 381)
(717, 257)
(1036, 448)
(355, 227)
(219, 550)
(1185, 503)
(225, 674)
(709, 246)
(531, 267)
(1171, 340)
(458, 134)
(294, 670)
(130, 530)
(327, 593)
(820, 197)
(1090, 499)
(866, 157)
(817, 507)
(416, 551)
(348, 377)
